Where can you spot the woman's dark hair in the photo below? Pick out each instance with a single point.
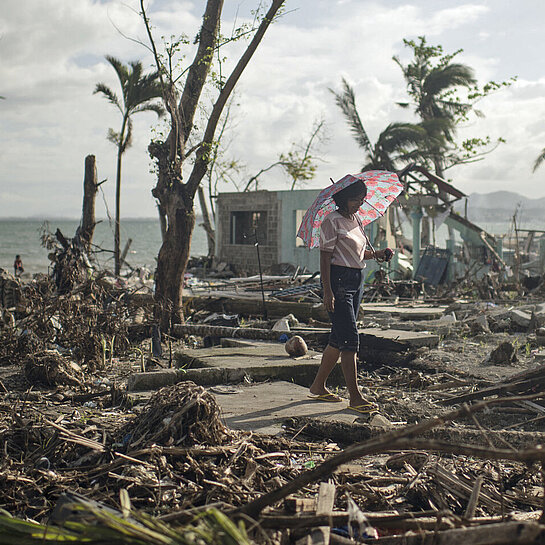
(353, 190)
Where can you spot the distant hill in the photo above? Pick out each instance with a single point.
(500, 206)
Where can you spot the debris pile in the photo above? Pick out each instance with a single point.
(85, 326)
(451, 455)
(183, 414)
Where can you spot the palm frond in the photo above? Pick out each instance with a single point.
(150, 107)
(540, 158)
(113, 136)
(446, 77)
(347, 103)
(401, 135)
(209, 528)
(120, 69)
(108, 93)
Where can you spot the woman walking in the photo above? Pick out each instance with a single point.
(343, 251)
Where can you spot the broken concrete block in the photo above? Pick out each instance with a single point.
(521, 318)
(480, 325)
(540, 336)
(503, 354)
(281, 325)
(380, 421)
(538, 316)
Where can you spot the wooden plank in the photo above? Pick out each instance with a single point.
(463, 490)
(299, 505)
(324, 506)
(474, 498)
(251, 305)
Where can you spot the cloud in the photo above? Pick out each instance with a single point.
(451, 18)
(53, 56)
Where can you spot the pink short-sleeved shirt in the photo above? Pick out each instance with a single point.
(345, 239)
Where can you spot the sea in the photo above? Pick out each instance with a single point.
(22, 236)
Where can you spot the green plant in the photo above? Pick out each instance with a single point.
(128, 528)
(107, 349)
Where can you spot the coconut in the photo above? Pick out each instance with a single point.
(296, 346)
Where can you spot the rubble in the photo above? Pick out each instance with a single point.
(454, 452)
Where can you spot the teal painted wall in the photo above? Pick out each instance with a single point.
(290, 203)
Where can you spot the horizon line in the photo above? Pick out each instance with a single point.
(68, 218)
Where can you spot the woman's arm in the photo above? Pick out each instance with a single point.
(385, 254)
(325, 274)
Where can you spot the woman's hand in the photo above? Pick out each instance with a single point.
(385, 254)
(329, 300)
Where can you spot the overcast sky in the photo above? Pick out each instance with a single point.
(52, 56)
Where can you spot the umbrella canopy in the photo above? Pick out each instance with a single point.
(382, 189)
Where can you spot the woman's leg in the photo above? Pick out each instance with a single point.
(350, 372)
(329, 360)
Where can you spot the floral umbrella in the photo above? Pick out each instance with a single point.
(382, 189)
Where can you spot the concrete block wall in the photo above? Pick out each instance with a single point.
(243, 257)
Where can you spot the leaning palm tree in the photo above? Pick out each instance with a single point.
(432, 87)
(399, 142)
(138, 91)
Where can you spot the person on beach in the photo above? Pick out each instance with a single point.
(343, 250)
(18, 266)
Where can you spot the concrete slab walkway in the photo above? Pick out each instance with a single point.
(263, 407)
(264, 361)
(211, 366)
(280, 389)
(254, 355)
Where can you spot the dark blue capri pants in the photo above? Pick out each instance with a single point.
(347, 287)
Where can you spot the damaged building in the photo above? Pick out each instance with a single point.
(434, 243)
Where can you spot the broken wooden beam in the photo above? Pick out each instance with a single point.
(324, 506)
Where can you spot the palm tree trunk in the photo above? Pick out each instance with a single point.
(117, 253)
(117, 237)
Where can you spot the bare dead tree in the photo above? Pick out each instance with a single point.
(176, 196)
